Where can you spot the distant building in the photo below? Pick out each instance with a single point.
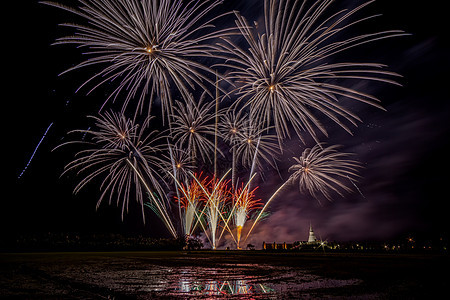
(409, 244)
(311, 243)
(312, 237)
(275, 246)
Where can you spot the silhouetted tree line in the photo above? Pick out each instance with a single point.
(88, 242)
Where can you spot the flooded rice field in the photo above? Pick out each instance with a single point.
(216, 275)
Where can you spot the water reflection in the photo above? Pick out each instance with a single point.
(226, 287)
(240, 281)
(253, 281)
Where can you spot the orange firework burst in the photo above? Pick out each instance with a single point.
(245, 201)
(218, 193)
(214, 194)
(191, 199)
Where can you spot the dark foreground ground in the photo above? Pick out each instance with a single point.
(222, 274)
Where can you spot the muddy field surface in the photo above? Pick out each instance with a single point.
(221, 274)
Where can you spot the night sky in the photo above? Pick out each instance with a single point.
(404, 184)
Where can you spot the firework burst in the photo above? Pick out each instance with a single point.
(253, 145)
(319, 170)
(285, 77)
(178, 164)
(147, 45)
(250, 146)
(193, 128)
(126, 157)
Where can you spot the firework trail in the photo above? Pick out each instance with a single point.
(148, 46)
(174, 165)
(35, 150)
(155, 204)
(356, 187)
(284, 78)
(230, 127)
(217, 198)
(260, 215)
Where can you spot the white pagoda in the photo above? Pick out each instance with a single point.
(312, 237)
